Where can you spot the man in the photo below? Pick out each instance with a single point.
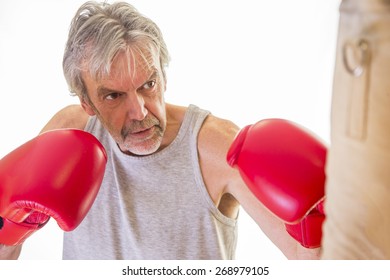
(168, 192)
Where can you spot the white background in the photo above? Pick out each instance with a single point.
(243, 60)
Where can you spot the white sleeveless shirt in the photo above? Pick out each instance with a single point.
(153, 207)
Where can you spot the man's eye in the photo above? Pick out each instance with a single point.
(112, 96)
(149, 85)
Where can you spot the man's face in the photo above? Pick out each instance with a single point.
(130, 104)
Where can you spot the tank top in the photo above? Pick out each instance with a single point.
(155, 206)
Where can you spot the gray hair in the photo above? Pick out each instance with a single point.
(99, 31)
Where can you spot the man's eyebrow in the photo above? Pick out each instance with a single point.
(153, 74)
(101, 90)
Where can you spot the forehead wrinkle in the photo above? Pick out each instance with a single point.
(130, 69)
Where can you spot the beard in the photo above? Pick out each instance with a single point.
(141, 137)
(138, 138)
(137, 126)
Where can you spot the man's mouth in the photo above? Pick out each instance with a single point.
(145, 132)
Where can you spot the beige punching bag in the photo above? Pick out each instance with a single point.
(358, 163)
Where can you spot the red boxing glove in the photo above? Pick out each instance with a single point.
(57, 174)
(308, 231)
(284, 167)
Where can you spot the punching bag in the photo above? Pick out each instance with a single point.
(358, 164)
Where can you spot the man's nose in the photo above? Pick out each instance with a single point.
(136, 105)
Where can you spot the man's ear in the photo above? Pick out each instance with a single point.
(87, 107)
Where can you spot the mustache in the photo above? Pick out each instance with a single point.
(136, 126)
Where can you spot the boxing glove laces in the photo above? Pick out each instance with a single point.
(56, 174)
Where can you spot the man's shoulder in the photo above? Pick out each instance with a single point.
(218, 129)
(71, 116)
(215, 137)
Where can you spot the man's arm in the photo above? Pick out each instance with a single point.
(215, 140)
(10, 252)
(271, 225)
